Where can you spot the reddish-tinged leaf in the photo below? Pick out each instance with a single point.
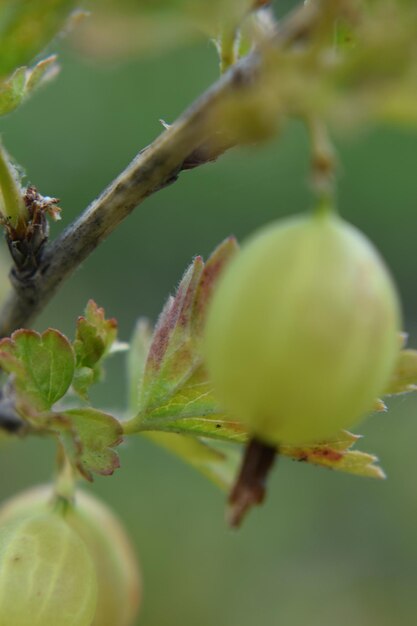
(106, 328)
(210, 275)
(89, 437)
(94, 338)
(337, 454)
(173, 379)
(334, 454)
(170, 354)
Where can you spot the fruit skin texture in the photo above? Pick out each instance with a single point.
(302, 332)
(119, 579)
(116, 568)
(47, 576)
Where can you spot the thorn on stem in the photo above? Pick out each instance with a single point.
(250, 487)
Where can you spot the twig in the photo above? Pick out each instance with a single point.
(10, 421)
(183, 145)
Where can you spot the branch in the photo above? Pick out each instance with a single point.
(184, 145)
(10, 421)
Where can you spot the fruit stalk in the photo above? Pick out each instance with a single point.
(250, 487)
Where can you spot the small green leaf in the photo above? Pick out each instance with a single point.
(84, 377)
(12, 91)
(95, 336)
(89, 437)
(43, 365)
(404, 378)
(15, 90)
(337, 454)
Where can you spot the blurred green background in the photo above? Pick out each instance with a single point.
(326, 548)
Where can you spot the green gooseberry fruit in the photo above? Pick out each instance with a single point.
(118, 577)
(47, 576)
(302, 332)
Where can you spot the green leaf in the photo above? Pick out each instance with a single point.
(404, 378)
(15, 90)
(165, 374)
(94, 339)
(336, 454)
(12, 91)
(84, 377)
(26, 27)
(138, 352)
(95, 336)
(174, 383)
(215, 426)
(43, 365)
(218, 463)
(89, 437)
